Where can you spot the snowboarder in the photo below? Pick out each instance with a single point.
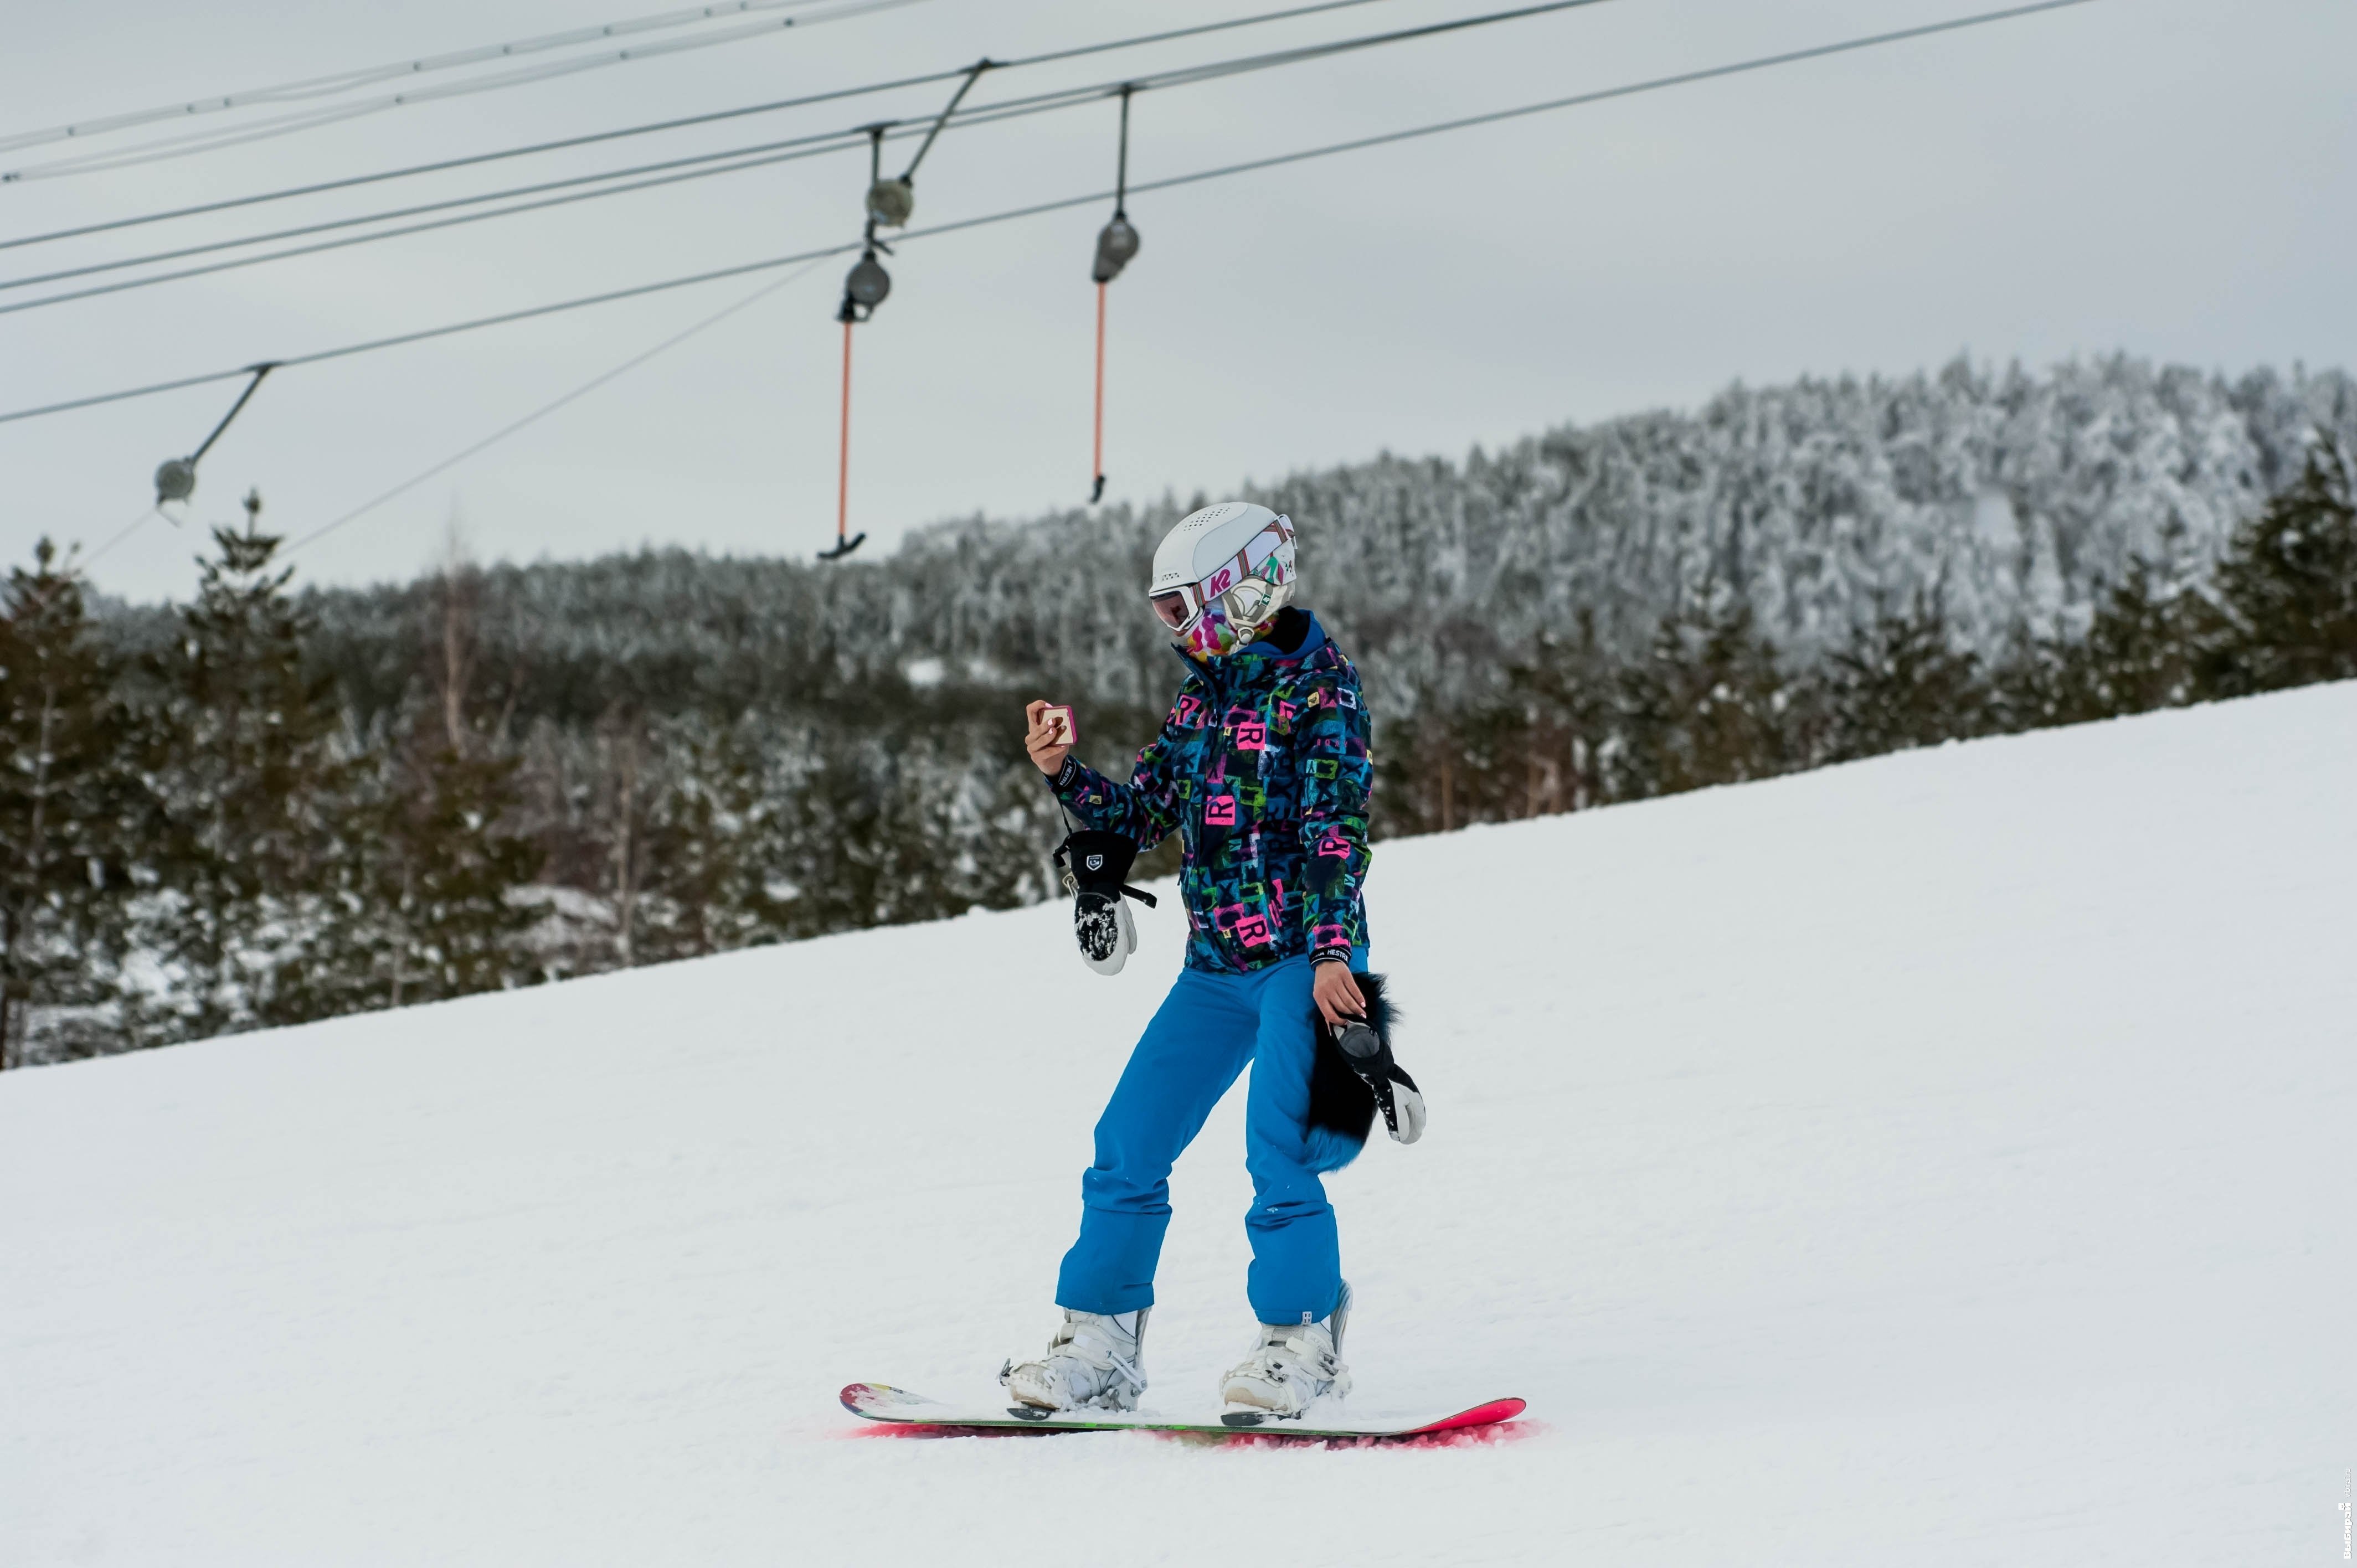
(1262, 768)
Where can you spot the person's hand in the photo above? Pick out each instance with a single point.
(1048, 742)
(1337, 994)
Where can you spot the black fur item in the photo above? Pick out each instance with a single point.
(1340, 1100)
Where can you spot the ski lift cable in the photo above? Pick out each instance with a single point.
(172, 147)
(1035, 209)
(892, 200)
(125, 532)
(909, 175)
(235, 409)
(347, 80)
(794, 150)
(705, 164)
(834, 141)
(835, 94)
(825, 142)
(536, 415)
(700, 165)
(175, 477)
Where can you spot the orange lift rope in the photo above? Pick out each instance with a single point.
(1116, 245)
(891, 202)
(843, 461)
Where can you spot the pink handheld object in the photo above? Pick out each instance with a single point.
(1061, 727)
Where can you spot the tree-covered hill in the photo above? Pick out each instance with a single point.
(278, 802)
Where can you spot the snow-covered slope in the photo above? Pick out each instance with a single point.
(1943, 1159)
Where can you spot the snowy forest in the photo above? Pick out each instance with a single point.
(276, 802)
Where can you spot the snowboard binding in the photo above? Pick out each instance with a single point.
(1094, 865)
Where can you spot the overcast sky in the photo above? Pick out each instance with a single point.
(2174, 177)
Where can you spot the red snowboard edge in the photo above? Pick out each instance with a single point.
(1479, 1416)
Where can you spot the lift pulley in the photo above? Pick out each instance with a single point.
(175, 477)
(890, 204)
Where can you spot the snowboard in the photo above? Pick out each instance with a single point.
(881, 1401)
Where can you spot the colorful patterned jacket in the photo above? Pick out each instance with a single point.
(1263, 768)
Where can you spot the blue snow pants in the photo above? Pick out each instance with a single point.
(1206, 1032)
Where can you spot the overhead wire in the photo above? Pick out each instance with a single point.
(847, 138)
(584, 389)
(813, 146)
(212, 141)
(125, 532)
(347, 80)
(707, 165)
(933, 132)
(651, 127)
(1223, 171)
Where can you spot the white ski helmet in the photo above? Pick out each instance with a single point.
(1220, 575)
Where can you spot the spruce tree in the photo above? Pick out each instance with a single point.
(1417, 760)
(1566, 691)
(447, 851)
(2285, 593)
(871, 836)
(1490, 749)
(257, 789)
(1900, 682)
(712, 833)
(70, 806)
(2137, 654)
(445, 872)
(1708, 705)
(1016, 828)
(624, 751)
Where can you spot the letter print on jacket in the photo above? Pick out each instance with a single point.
(1263, 767)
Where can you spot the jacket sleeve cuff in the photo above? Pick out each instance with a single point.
(1331, 955)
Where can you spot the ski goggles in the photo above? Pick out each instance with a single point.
(1242, 591)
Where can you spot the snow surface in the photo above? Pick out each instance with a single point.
(1941, 1159)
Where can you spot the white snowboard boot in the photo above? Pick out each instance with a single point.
(1291, 1365)
(1093, 1362)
